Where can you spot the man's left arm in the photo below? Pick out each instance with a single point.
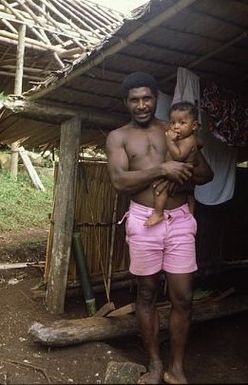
(202, 173)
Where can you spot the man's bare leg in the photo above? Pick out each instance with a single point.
(148, 320)
(180, 291)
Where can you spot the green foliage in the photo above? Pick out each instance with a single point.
(21, 205)
(3, 97)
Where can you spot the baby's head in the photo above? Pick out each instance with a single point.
(184, 118)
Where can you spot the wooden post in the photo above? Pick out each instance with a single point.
(18, 91)
(63, 215)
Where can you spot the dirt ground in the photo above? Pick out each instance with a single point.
(217, 351)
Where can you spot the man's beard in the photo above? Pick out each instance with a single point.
(143, 124)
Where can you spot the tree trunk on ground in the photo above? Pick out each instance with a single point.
(71, 332)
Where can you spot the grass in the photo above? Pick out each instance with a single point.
(21, 205)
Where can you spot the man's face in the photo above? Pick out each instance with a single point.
(141, 103)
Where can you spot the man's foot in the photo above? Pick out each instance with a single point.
(153, 219)
(171, 378)
(154, 375)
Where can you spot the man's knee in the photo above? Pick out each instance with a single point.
(146, 294)
(182, 302)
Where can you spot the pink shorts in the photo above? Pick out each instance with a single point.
(168, 245)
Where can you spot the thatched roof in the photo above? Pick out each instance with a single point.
(207, 36)
(57, 33)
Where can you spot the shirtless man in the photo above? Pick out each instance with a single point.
(136, 154)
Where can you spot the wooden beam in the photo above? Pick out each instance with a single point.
(30, 43)
(63, 215)
(72, 52)
(12, 75)
(10, 41)
(27, 69)
(9, 25)
(55, 23)
(36, 19)
(68, 14)
(62, 111)
(22, 18)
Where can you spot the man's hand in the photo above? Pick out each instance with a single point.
(178, 172)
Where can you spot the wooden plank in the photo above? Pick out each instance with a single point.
(70, 332)
(20, 265)
(224, 294)
(127, 309)
(30, 169)
(64, 208)
(105, 309)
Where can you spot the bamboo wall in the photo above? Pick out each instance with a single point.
(94, 215)
(95, 200)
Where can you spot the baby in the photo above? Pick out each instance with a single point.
(182, 145)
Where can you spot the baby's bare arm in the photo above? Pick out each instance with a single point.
(180, 149)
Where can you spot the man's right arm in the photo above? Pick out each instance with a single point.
(126, 180)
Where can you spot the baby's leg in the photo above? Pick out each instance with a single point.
(159, 204)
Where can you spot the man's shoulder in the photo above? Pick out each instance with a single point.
(117, 136)
(118, 132)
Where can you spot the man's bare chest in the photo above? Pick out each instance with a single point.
(145, 145)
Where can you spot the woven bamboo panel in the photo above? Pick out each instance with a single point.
(94, 209)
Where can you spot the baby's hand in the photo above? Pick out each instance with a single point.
(172, 135)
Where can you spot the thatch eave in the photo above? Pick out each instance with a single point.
(206, 36)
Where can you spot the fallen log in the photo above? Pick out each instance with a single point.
(71, 332)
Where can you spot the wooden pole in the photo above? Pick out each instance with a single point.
(31, 77)
(18, 91)
(63, 215)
